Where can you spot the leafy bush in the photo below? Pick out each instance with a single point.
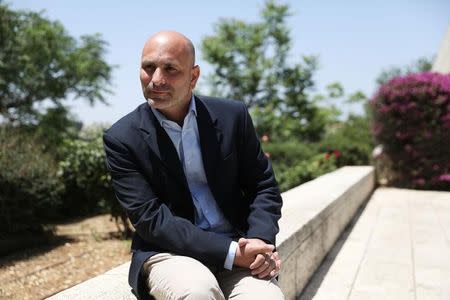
(83, 171)
(29, 185)
(412, 122)
(290, 176)
(350, 142)
(87, 181)
(288, 153)
(294, 163)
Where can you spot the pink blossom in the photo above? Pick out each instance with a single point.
(444, 177)
(419, 181)
(412, 119)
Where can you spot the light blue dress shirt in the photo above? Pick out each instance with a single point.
(208, 215)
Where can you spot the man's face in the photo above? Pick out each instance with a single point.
(167, 73)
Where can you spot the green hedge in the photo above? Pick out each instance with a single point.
(291, 176)
(30, 187)
(87, 181)
(83, 172)
(350, 142)
(295, 163)
(35, 188)
(289, 153)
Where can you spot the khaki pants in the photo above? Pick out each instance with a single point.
(181, 277)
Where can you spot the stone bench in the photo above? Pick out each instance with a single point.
(314, 214)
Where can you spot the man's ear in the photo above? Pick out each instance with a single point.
(195, 75)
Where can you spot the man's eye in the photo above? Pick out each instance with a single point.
(149, 68)
(170, 69)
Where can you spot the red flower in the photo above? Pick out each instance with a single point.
(336, 153)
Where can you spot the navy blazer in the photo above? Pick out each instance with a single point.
(150, 184)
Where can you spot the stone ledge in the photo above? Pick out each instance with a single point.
(314, 214)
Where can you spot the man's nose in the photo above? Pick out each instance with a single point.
(158, 77)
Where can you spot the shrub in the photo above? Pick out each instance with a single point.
(295, 163)
(88, 183)
(412, 122)
(29, 185)
(350, 142)
(288, 153)
(83, 171)
(290, 176)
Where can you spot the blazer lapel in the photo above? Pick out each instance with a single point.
(161, 145)
(210, 139)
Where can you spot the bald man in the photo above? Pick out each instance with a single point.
(191, 176)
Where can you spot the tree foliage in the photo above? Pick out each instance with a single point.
(30, 188)
(423, 64)
(350, 141)
(86, 179)
(40, 61)
(251, 63)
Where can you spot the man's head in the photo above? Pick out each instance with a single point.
(168, 72)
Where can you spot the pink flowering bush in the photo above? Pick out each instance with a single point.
(412, 122)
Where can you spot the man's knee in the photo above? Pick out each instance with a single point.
(181, 277)
(240, 284)
(202, 289)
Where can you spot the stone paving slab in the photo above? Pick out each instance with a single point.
(398, 248)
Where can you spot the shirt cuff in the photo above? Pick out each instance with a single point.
(230, 256)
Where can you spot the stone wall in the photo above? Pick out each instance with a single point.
(314, 214)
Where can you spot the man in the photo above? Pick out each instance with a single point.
(190, 173)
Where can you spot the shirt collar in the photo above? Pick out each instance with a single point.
(162, 119)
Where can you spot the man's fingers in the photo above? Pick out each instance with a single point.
(242, 242)
(277, 268)
(259, 260)
(260, 248)
(275, 271)
(265, 273)
(256, 244)
(265, 266)
(275, 255)
(270, 248)
(270, 266)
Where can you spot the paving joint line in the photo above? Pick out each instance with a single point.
(365, 248)
(412, 249)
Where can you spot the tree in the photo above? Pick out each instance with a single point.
(423, 64)
(40, 61)
(54, 127)
(250, 62)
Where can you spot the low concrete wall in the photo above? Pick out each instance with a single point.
(112, 285)
(313, 216)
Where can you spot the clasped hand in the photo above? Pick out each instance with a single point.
(258, 256)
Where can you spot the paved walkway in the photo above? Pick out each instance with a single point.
(399, 248)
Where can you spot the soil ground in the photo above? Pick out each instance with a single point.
(82, 249)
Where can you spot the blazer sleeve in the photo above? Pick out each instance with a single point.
(259, 185)
(153, 220)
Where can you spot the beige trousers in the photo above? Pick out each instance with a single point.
(181, 277)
